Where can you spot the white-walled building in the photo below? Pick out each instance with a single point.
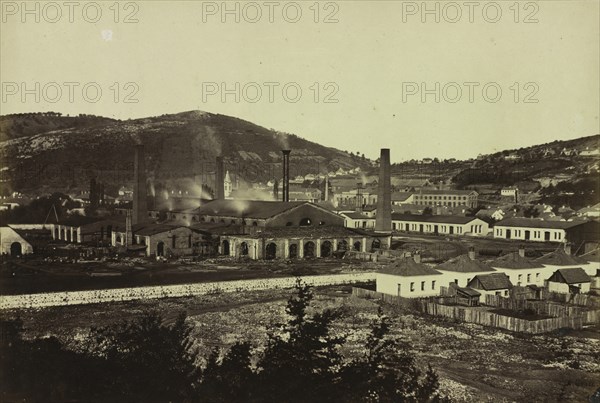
(462, 269)
(521, 270)
(409, 279)
(440, 224)
(11, 243)
(569, 281)
(531, 229)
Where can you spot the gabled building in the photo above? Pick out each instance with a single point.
(491, 284)
(439, 224)
(569, 281)
(521, 270)
(12, 243)
(409, 278)
(462, 269)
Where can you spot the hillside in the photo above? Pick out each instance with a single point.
(179, 148)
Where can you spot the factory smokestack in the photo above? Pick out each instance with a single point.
(383, 219)
(140, 208)
(286, 175)
(219, 180)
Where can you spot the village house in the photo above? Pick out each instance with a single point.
(460, 270)
(491, 284)
(531, 229)
(409, 278)
(569, 281)
(521, 270)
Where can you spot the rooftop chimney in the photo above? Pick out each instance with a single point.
(383, 219)
(522, 251)
(417, 257)
(219, 179)
(471, 253)
(286, 175)
(140, 208)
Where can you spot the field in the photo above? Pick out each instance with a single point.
(475, 363)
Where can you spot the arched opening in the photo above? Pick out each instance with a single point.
(56, 233)
(62, 234)
(225, 248)
(326, 249)
(305, 222)
(309, 249)
(202, 219)
(254, 224)
(160, 249)
(194, 218)
(244, 249)
(356, 246)
(212, 220)
(15, 249)
(376, 244)
(118, 240)
(293, 251)
(342, 245)
(271, 251)
(68, 236)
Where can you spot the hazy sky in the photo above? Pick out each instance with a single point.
(371, 60)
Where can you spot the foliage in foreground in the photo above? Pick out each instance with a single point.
(148, 360)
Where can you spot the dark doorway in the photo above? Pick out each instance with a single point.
(225, 248)
(326, 249)
(547, 236)
(508, 234)
(271, 251)
(244, 249)
(451, 230)
(527, 235)
(342, 245)
(160, 249)
(15, 249)
(293, 251)
(309, 249)
(435, 229)
(421, 228)
(376, 244)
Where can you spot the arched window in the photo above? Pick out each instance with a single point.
(293, 251)
(244, 249)
(271, 251)
(225, 248)
(254, 224)
(173, 241)
(309, 249)
(326, 249)
(305, 222)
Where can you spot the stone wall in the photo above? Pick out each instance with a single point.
(169, 291)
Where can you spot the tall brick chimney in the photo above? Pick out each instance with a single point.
(140, 208)
(383, 219)
(286, 175)
(219, 179)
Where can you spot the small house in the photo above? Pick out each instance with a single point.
(569, 281)
(491, 284)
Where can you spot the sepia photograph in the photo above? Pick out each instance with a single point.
(300, 201)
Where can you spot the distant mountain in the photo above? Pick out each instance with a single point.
(48, 152)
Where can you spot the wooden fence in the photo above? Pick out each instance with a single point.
(483, 316)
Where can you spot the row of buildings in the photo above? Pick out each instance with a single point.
(558, 271)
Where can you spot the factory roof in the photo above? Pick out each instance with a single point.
(153, 229)
(249, 208)
(439, 219)
(308, 232)
(464, 264)
(537, 223)
(407, 267)
(356, 215)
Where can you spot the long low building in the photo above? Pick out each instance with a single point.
(440, 224)
(532, 229)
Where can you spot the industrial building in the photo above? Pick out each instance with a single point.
(440, 224)
(531, 229)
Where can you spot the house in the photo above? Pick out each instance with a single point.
(401, 198)
(590, 211)
(563, 259)
(462, 269)
(491, 284)
(409, 278)
(12, 243)
(439, 224)
(450, 198)
(532, 229)
(83, 229)
(357, 219)
(494, 213)
(521, 270)
(569, 281)
(590, 152)
(163, 240)
(510, 192)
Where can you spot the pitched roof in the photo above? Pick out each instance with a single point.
(574, 276)
(426, 191)
(537, 223)
(492, 281)
(260, 209)
(407, 267)
(464, 264)
(560, 258)
(468, 291)
(153, 229)
(355, 215)
(401, 196)
(436, 219)
(515, 261)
